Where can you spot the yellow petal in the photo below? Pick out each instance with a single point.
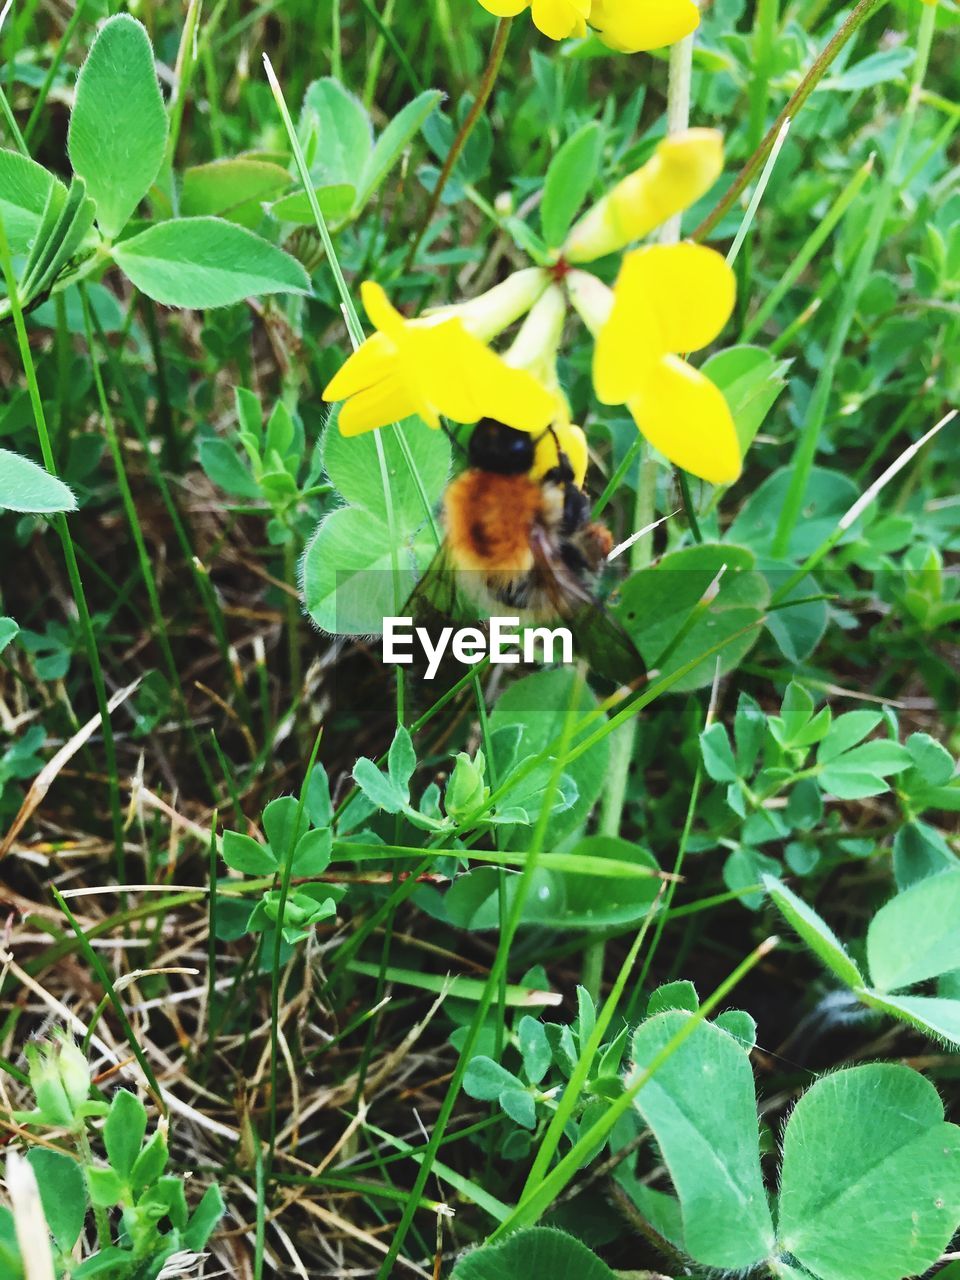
(505, 8)
(381, 312)
(572, 442)
(388, 400)
(629, 343)
(689, 289)
(682, 169)
(371, 361)
(686, 418)
(466, 381)
(632, 26)
(561, 18)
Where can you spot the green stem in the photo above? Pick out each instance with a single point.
(764, 34)
(818, 70)
(806, 449)
(69, 552)
(489, 79)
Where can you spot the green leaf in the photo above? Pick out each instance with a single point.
(55, 245)
(717, 754)
(485, 1079)
(815, 932)
(246, 855)
(150, 1163)
(915, 936)
(520, 1107)
(123, 1131)
(118, 126)
(376, 786)
(24, 190)
(919, 851)
(353, 467)
(673, 996)
(932, 761)
(312, 854)
(749, 727)
(534, 1048)
(845, 732)
(348, 584)
(106, 1186)
(223, 464)
(335, 203)
(284, 823)
(234, 188)
(711, 1151)
(572, 172)
(936, 1016)
(540, 1253)
(861, 772)
(870, 1183)
(116, 1264)
(401, 759)
(588, 901)
(828, 495)
(739, 1024)
(663, 611)
(342, 131)
(391, 143)
(25, 486)
(876, 68)
(751, 379)
(8, 631)
(204, 1219)
(538, 704)
(62, 1194)
(206, 262)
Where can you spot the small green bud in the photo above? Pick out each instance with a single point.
(59, 1077)
(466, 790)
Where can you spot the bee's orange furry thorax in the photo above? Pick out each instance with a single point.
(489, 519)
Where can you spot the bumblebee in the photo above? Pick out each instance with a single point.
(524, 543)
(515, 541)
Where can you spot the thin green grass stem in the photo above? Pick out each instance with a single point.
(63, 44)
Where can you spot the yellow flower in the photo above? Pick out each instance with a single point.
(555, 18)
(430, 367)
(682, 169)
(670, 299)
(633, 26)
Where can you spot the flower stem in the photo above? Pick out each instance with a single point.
(678, 113)
(806, 448)
(497, 50)
(818, 70)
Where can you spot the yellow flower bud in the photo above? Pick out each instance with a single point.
(682, 169)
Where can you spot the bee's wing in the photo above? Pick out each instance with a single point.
(601, 640)
(435, 593)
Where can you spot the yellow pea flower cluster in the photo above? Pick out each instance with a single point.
(668, 300)
(629, 26)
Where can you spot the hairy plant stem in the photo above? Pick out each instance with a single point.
(489, 79)
(864, 10)
(806, 449)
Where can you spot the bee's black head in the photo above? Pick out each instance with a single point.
(501, 449)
